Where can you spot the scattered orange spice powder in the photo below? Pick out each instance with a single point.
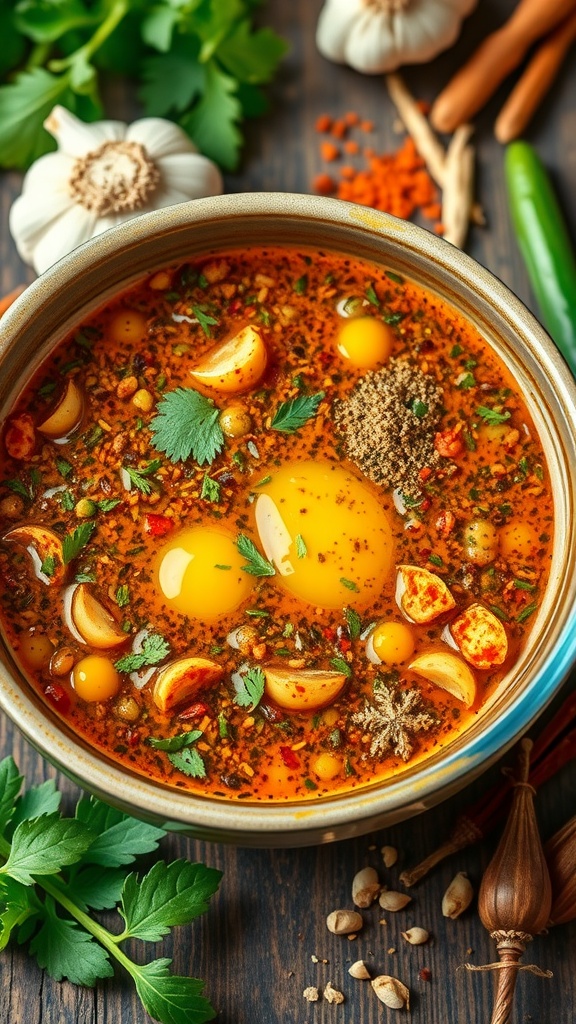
(397, 182)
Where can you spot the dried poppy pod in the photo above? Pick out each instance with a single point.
(515, 894)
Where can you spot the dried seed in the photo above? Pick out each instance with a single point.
(365, 887)
(359, 970)
(416, 936)
(458, 896)
(343, 922)
(394, 900)
(391, 992)
(311, 994)
(389, 856)
(332, 995)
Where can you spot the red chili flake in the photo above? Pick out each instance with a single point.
(58, 696)
(134, 737)
(424, 474)
(196, 710)
(157, 525)
(425, 552)
(425, 974)
(235, 306)
(344, 644)
(424, 505)
(329, 633)
(325, 358)
(289, 757)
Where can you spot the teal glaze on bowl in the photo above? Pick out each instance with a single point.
(111, 262)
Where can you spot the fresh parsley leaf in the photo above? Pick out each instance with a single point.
(187, 424)
(44, 845)
(251, 689)
(213, 123)
(67, 502)
(19, 903)
(67, 951)
(492, 416)
(93, 887)
(107, 504)
(123, 595)
(63, 467)
(172, 81)
(354, 623)
(170, 998)
(371, 295)
(341, 665)
(256, 565)
(169, 895)
(436, 559)
(18, 487)
(292, 415)
(301, 549)
(119, 838)
(466, 382)
(189, 762)
(252, 57)
(350, 585)
(419, 408)
(43, 799)
(10, 784)
(172, 743)
(301, 285)
(527, 612)
(85, 577)
(25, 103)
(394, 277)
(139, 477)
(211, 489)
(524, 585)
(205, 320)
(74, 542)
(49, 565)
(93, 436)
(154, 649)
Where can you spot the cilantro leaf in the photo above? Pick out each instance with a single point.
(24, 106)
(354, 623)
(74, 542)
(171, 82)
(187, 424)
(190, 762)
(172, 743)
(211, 489)
(107, 504)
(169, 997)
(157, 27)
(10, 784)
(93, 887)
(341, 665)
(46, 22)
(138, 477)
(123, 595)
(120, 839)
(20, 903)
(492, 416)
(349, 584)
(49, 565)
(292, 415)
(44, 845)
(154, 649)
(67, 951)
(170, 894)
(213, 123)
(257, 565)
(18, 488)
(251, 56)
(205, 320)
(252, 689)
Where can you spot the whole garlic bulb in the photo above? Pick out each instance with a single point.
(374, 36)
(100, 175)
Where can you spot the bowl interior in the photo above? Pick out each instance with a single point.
(84, 280)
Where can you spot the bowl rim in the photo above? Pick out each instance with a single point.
(310, 821)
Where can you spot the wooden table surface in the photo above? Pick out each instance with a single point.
(257, 946)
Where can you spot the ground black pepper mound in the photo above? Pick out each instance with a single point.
(388, 424)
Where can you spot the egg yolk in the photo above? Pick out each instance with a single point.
(365, 341)
(327, 535)
(199, 573)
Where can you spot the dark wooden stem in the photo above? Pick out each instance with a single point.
(510, 950)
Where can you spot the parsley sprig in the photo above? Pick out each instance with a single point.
(139, 477)
(251, 689)
(187, 424)
(292, 415)
(154, 650)
(74, 542)
(55, 870)
(256, 564)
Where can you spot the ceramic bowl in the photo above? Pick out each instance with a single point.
(91, 274)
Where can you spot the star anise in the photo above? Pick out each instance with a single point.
(393, 720)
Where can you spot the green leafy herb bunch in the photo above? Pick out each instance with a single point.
(56, 871)
(198, 62)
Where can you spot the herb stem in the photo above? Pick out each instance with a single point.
(38, 55)
(118, 11)
(104, 937)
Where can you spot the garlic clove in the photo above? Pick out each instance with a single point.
(449, 672)
(160, 138)
(394, 901)
(75, 137)
(391, 992)
(365, 887)
(458, 896)
(480, 637)
(193, 181)
(359, 970)
(41, 544)
(344, 922)
(66, 414)
(389, 856)
(93, 621)
(303, 689)
(416, 936)
(182, 679)
(64, 234)
(421, 595)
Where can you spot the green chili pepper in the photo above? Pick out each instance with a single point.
(544, 243)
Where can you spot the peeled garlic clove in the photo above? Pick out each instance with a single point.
(394, 901)
(391, 992)
(449, 672)
(303, 689)
(421, 595)
(480, 636)
(359, 970)
(93, 621)
(344, 922)
(458, 896)
(182, 679)
(389, 856)
(235, 365)
(365, 887)
(67, 413)
(416, 936)
(45, 549)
